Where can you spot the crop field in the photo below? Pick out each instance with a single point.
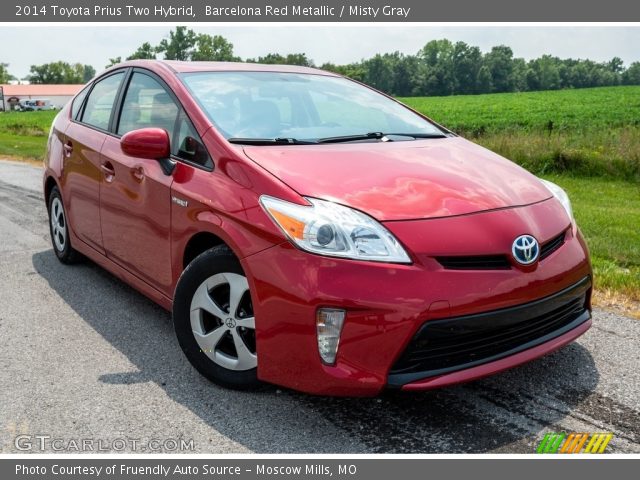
(568, 110)
(587, 132)
(587, 141)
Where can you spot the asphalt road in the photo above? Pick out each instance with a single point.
(85, 357)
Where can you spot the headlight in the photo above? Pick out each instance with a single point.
(561, 195)
(330, 229)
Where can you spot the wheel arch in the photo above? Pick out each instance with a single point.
(199, 243)
(49, 183)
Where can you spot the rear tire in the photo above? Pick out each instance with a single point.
(213, 319)
(59, 230)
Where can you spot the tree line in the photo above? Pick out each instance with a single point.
(440, 68)
(53, 73)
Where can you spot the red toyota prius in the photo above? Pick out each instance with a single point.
(308, 231)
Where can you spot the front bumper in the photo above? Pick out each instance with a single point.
(388, 304)
(441, 347)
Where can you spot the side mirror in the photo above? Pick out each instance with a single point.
(150, 143)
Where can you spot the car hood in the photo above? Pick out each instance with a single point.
(404, 180)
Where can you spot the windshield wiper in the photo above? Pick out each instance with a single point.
(269, 141)
(378, 136)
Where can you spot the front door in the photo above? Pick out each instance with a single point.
(135, 201)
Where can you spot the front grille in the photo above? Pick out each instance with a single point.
(551, 246)
(495, 262)
(443, 346)
(480, 262)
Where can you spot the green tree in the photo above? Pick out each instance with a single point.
(405, 79)
(631, 76)
(616, 65)
(213, 48)
(467, 62)
(60, 72)
(299, 59)
(379, 73)
(439, 68)
(500, 63)
(179, 45)
(144, 52)
(113, 61)
(485, 80)
(548, 74)
(355, 71)
(5, 76)
(268, 59)
(290, 59)
(88, 72)
(519, 75)
(437, 75)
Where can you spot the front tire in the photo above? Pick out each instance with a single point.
(59, 229)
(213, 319)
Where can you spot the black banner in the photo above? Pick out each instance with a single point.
(319, 11)
(312, 468)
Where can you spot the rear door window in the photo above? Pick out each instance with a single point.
(99, 105)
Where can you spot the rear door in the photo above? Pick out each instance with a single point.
(83, 171)
(135, 204)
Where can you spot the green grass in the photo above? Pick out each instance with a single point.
(24, 134)
(587, 132)
(608, 212)
(569, 110)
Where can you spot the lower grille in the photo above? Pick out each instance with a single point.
(443, 346)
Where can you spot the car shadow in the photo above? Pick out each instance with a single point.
(505, 412)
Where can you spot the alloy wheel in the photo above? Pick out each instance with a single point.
(58, 225)
(222, 321)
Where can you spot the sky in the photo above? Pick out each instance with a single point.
(23, 46)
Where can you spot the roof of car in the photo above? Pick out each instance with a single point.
(189, 67)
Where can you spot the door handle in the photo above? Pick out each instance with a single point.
(68, 149)
(137, 173)
(109, 171)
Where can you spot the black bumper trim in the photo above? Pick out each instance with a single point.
(487, 328)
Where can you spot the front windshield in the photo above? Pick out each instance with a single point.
(271, 105)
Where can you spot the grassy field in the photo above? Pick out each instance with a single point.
(23, 135)
(587, 141)
(608, 212)
(587, 132)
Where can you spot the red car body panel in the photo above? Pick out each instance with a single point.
(410, 180)
(438, 197)
(81, 181)
(135, 212)
(386, 306)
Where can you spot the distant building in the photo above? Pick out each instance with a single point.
(59, 95)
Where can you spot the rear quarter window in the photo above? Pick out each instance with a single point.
(77, 103)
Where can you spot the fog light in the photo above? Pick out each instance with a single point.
(329, 325)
